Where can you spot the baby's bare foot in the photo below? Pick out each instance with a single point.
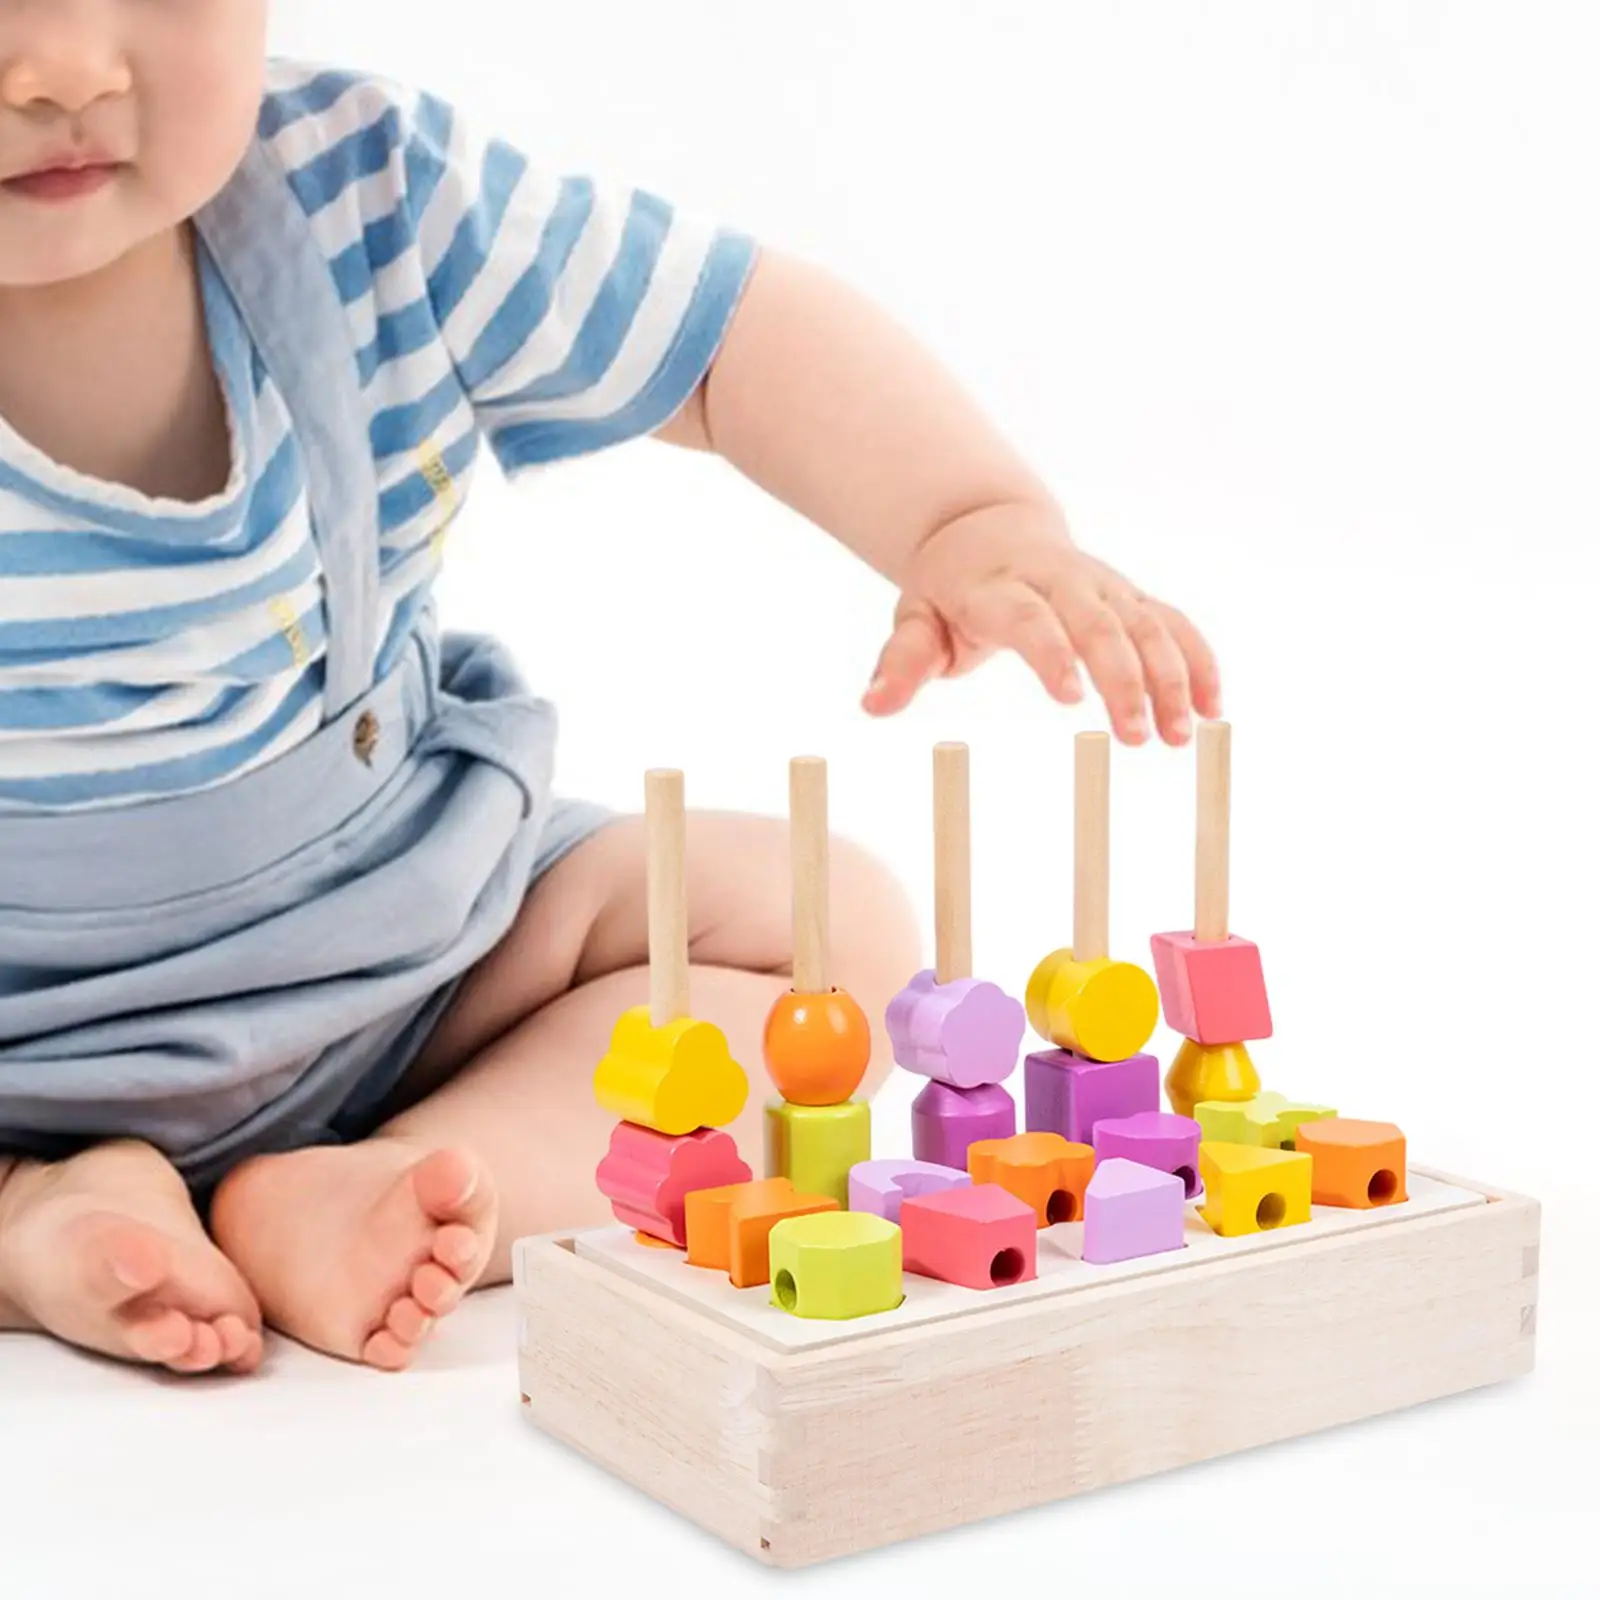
(105, 1251)
(358, 1250)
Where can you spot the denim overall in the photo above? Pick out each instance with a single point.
(253, 967)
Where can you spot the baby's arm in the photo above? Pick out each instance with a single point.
(823, 401)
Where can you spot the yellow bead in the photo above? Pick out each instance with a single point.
(1203, 1072)
(1269, 1120)
(833, 1265)
(814, 1147)
(673, 1079)
(1103, 1010)
(1251, 1190)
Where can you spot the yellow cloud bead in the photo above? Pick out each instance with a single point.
(673, 1079)
(1268, 1120)
(1103, 1010)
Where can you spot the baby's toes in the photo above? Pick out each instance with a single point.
(204, 1352)
(241, 1344)
(435, 1290)
(408, 1322)
(386, 1352)
(457, 1249)
(162, 1337)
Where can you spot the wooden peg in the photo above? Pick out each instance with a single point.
(952, 863)
(1213, 801)
(668, 897)
(808, 852)
(1091, 932)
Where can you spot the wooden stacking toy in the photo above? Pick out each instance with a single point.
(1210, 980)
(1099, 1013)
(671, 1079)
(1251, 1190)
(818, 1043)
(961, 1033)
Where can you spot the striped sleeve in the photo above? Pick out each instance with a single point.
(578, 316)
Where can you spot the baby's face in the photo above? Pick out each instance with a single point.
(119, 119)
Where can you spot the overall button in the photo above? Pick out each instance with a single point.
(366, 736)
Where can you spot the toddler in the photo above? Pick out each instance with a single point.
(304, 970)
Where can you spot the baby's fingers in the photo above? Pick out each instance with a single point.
(1166, 673)
(1113, 662)
(917, 651)
(1013, 616)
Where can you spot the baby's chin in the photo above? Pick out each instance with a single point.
(47, 252)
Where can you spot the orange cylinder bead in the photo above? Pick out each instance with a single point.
(817, 1047)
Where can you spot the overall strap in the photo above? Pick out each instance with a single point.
(261, 242)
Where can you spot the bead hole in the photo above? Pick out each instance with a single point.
(1186, 1176)
(1062, 1206)
(1384, 1187)
(783, 1287)
(1272, 1210)
(1006, 1268)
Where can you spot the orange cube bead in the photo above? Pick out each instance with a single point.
(1043, 1170)
(1354, 1165)
(728, 1227)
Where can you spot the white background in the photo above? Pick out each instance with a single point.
(1295, 305)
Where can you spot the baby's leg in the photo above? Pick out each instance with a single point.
(501, 1101)
(105, 1251)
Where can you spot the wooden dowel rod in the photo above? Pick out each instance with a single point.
(1212, 803)
(952, 863)
(808, 854)
(669, 898)
(1091, 904)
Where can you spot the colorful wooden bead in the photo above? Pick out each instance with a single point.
(1042, 1170)
(1157, 1139)
(815, 1147)
(1101, 1010)
(965, 1033)
(1267, 1119)
(647, 1175)
(1068, 1095)
(835, 1265)
(1131, 1210)
(817, 1047)
(1212, 991)
(673, 1079)
(946, 1122)
(728, 1227)
(980, 1237)
(1355, 1165)
(1203, 1072)
(1251, 1190)
(881, 1187)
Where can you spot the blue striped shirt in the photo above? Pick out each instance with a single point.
(149, 648)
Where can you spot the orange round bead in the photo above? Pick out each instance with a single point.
(817, 1047)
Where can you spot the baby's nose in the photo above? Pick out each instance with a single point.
(70, 73)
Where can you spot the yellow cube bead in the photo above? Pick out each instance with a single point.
(833, 1265)
(814, 1147)
(1268, 1120)
(1250, 1190)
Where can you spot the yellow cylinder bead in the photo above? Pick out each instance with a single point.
(1203, 1072)
(814, 1147)
(1101, 1010)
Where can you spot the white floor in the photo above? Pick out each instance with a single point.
(316, 1479)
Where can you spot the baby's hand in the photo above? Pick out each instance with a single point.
(1010, 578)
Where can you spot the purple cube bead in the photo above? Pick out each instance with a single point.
(945, 1121)
(1157, 1139)
(1067, 1094)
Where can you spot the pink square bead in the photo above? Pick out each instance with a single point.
(1211, 991)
